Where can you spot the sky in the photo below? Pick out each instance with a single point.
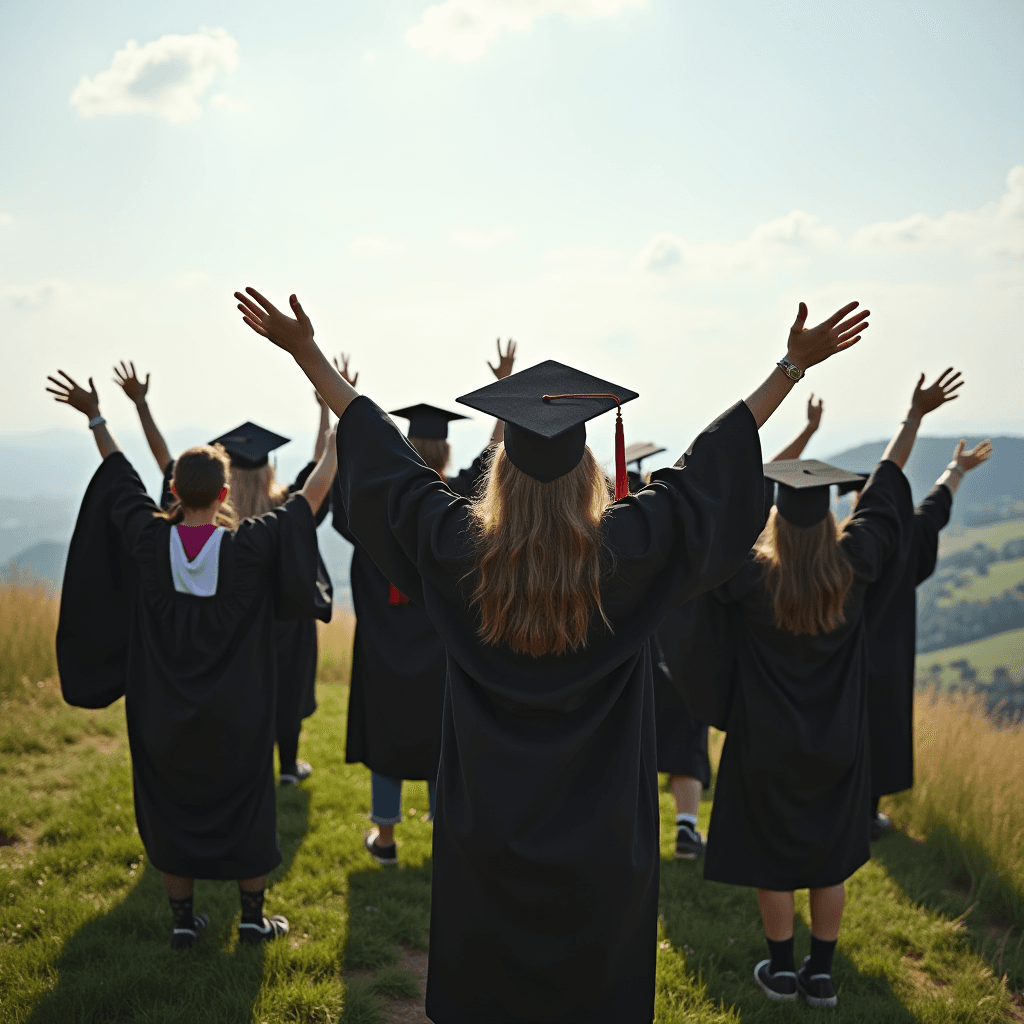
(644, 189)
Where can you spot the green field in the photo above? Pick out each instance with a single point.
(84, 924)
(1001, 576)
(1002, 650)
(995, 535)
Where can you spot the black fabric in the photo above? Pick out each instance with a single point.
(546, 834)
(252, 906)
(427, 421)
(781, 953)
(805, 507)
(793, 789)
(398, 663)
(822, 951)
(199, 673)
(682, 739)
(891, 610)
(182, 911)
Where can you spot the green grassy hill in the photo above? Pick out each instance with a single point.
(1005, 650)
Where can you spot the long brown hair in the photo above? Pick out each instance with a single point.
(199, 475)
(538, 556)
(255, 492)
(806, 572)
(434, 451)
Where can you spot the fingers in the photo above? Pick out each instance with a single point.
(92, 387)
(258, 328)
(299, 312)
(498, 345)
(494, 369)
(948, 391)
(959, 450)
(246, 305)
(854, 323)
(844, 345)
(267, 305)
(355, 379)
(838, 315)
(67, 378)
(801, 317)
(59, 383)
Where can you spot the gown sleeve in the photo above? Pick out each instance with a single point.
(394, 505)
(166, 494)
(466, 481)
(300, 482)
(100, 586)
(929, 519)
(882, 523)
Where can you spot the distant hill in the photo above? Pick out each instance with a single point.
(992, 492)
(43, 561)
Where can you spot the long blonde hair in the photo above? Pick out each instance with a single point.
(199, 476)
(806, 572)
(256, 491)
(538, 556)
(434, 451)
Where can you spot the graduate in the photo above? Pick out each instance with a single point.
(891, 608)
(399, 661)
(545, 593)
(174, 609)
(254, 491)
(682, 739)
(793, 787)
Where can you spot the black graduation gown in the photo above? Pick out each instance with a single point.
(891, 609)
(794, 789)
(398, 665)
(546, 834)
(198, 673)
(295, 642)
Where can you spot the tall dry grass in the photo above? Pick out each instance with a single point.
(28, 625)
(335, 640)
(968, 796)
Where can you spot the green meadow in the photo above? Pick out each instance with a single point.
(932, 932)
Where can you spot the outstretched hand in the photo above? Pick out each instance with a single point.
(505, 360)
(129, 382)
(294, 335)
(814, 412)
(975, 457)
(811, 345)
(342, 368)
(70, 393)
(927, 400)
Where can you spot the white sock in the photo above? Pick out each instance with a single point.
(689, 818)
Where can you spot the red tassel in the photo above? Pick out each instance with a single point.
(621, 478)
(396, 596)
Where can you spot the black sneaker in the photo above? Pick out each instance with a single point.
(689, 842)
(185, 938)
(779, 988)
(254, 934)
(816, 988)
(880, 825)
(296, 773)
(386, 855)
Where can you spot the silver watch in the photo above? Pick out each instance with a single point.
(791, 370)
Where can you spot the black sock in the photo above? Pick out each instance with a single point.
(288, 750)
(782, 955)
(252, 906)
(821, 956)
(182, 911)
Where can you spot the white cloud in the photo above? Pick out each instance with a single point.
(463, 30)
(30, 297)
(481, 241)
(371, 247)
(164, 78)
(786, 239)
(5, 219)
(997, 229)
(222, 101)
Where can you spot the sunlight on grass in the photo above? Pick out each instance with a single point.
(28, 624)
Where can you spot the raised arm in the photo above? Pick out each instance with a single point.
(320, 445)
(318, 483)
(137, 390)
(807, 347)
(796, 447)
(963, 462)
(87, 403)
(923, 401)
(506, 360)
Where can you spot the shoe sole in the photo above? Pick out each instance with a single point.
(775, 997)
(818, 1001)
(685, 856)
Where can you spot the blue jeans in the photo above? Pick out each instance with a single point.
(386, 799)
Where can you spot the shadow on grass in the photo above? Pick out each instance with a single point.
(388, 908)
(718, 929)
(120, 967)
(946, 876)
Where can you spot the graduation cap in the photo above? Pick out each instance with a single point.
(545, 408)
(857, 485)
(428, 421)
(803, 497)
(640, 450)
(249, 445)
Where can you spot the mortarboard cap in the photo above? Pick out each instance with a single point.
(640, 450)
(545, 408)
(803, 498)
(428, 421)
(856, 485)
(249, 445)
